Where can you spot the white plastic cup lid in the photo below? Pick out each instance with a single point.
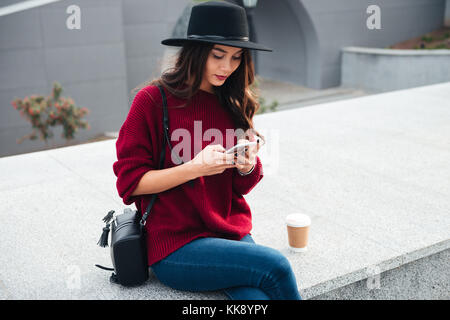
(298, 220)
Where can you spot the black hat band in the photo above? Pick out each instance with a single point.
(211, 37)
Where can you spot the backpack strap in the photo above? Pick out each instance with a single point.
(163, 153)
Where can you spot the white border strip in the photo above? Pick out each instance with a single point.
(25, 5)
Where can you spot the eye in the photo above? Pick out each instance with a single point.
(234, 58)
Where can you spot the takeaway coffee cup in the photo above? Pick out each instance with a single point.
(298, 228)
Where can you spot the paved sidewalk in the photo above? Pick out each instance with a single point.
(291, 96)
(372, 172)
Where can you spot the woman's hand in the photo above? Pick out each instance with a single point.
(212, 160)
(246, 161)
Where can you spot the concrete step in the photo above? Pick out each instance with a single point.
(322, 98)
(291, 96)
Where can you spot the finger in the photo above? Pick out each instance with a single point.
(258, 143)
(242, 141)
(242, 167)
(232, 164)
(227, 166)
(219, 148)
(231, 159)
(251, 151)
(215, 158)
(227, 158)
(240, 153)
(244, 161)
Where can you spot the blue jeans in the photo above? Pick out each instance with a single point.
(244, 269)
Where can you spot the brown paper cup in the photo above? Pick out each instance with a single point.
(298, 230)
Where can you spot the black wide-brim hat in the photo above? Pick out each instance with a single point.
(218, 22)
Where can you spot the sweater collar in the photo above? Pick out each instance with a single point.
(206, 92)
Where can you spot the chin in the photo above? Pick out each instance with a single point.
(217, 83)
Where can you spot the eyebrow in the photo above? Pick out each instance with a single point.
(226, 51)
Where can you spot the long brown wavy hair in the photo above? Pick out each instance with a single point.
(185, 77)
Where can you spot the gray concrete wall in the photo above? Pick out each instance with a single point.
(286, 27)
(343, 23)
(287, 47)
(145, 24)
(36, 49)
(307, 35)
(447, 14)
(379, 70)
(117, 48)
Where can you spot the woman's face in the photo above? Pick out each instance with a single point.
(222, 61)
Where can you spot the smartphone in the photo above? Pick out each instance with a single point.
(240, 146)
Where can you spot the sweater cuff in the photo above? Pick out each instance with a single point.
(243, 184)
(132, 180)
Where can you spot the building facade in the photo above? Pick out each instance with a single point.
(118, 47)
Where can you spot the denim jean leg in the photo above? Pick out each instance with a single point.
(288, 278)
(281, 283)
(209, 264)
(246, 293)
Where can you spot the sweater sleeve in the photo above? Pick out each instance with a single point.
(244, 184)
(134, 150)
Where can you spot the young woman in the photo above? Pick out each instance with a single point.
(198, 235)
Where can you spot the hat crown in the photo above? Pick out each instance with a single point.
(220, 19)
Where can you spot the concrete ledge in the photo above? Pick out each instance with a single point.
(426, 278)
(372, 172)
(380, 70)
(397, 52)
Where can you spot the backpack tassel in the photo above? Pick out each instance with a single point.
(108, 217)
(103, 241)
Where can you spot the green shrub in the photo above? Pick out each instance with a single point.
(44, 112)
(427, 38)
(440, 46)
(263, 107)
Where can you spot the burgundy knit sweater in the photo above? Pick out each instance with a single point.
(214, 206)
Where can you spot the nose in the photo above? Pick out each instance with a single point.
(225, 66)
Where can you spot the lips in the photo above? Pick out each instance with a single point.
(221, 77)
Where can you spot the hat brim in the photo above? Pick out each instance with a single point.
(179, 42)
